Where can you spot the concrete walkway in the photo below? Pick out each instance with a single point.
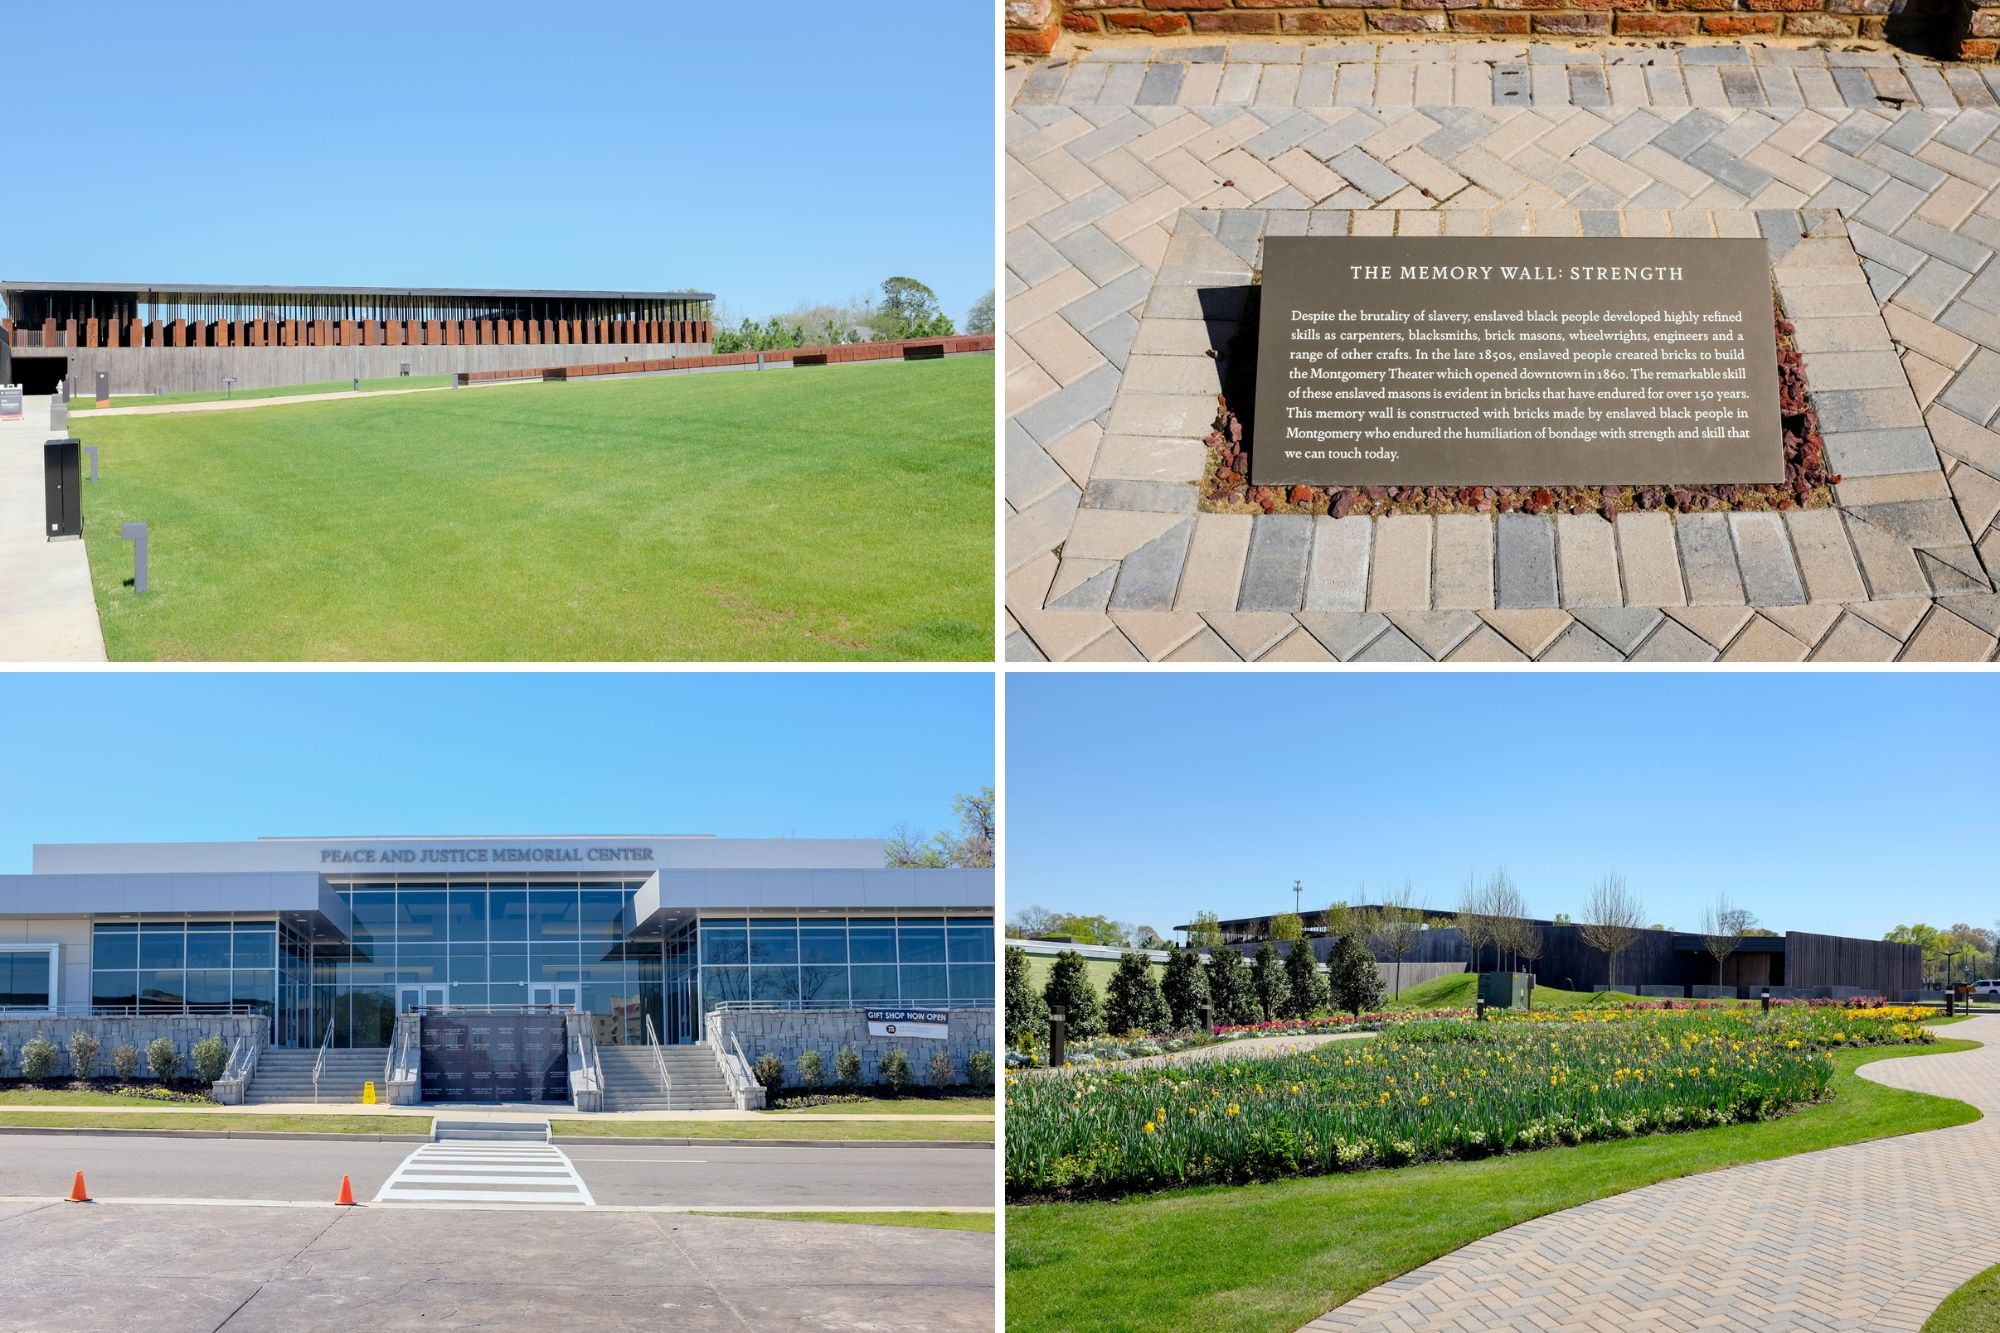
(1870, 1237)
(47, 612)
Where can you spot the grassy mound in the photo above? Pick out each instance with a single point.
(841, 514)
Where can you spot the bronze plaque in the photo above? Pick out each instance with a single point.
(1507, 361)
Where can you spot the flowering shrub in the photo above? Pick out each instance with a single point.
(1427, 1089)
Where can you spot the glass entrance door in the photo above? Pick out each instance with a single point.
(563, 997)
(410, 998)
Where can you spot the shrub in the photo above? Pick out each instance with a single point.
(1069, 989)
(38, 1057)
(1357, 982)
(211, 1057)
(895, 1070)
(1184, 988)
(125, 1061)
(769, 1070)
(943, 1075)
(1308, 989)
(1229, 988)
(1133, 1002)
(1027, 1013)
(979, 1068)
(83, 1050)
(1267, 980)
(847, 1067)
(162, 1058)
(811, 1069)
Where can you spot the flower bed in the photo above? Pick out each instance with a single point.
(1428, 1089)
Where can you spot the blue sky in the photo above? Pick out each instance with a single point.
(150, 756)
(772, 154)
(1841, 803)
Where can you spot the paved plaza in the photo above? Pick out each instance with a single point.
(1870, 1237)
(47, 610)
(1142, 180)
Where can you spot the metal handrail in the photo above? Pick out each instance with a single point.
(319, 1065)
(233, 1070)
(660, 1063)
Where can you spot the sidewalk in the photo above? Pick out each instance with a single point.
(47, 610)
(1872, 1236)
(1140, 176)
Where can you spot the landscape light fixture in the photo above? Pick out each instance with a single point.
(136, 534)
(228, 381)
(1949, 954)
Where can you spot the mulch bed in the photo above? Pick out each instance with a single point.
(1225, 487)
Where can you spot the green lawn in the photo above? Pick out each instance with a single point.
(1973, 1308)
(797, 1127)
(1268, 1258)
(296, 1124)
(900, 1106)
(81, 404)
(935, 1221)
(845, 515)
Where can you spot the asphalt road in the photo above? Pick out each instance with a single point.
(309, 1170)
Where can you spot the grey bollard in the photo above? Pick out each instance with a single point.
(1208, 1018)
(1479, 1008)
(136, 534)
(760, 360)
(357, 384)
(1767, 999)
(91, 449)
(1058, 1028)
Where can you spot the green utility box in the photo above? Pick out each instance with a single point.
(1506, 990)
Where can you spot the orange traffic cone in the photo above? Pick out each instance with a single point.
(76, 1191)
(346, 1198)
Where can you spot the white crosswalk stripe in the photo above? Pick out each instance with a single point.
(459, 1171)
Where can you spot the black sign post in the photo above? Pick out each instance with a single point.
(1482, 361)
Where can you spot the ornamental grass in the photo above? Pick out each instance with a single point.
(1426, 1090)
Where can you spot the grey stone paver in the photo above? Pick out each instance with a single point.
(1882, 229)
(1819, 1241)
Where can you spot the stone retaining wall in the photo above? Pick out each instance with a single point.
(786, 1035)
(111, 1033)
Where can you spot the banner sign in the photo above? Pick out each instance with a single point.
(10, 402)
(929, 1024)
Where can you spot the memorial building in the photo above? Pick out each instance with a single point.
(326, 940)
(188, 338)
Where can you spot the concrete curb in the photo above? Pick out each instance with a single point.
(568, 1139)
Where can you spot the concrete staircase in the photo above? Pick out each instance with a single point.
(631, 1082)
(285, 1075)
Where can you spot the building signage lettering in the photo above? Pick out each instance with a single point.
(479, 855)
(1496, 361)
(931, 1024)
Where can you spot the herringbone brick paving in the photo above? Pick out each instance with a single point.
(1139, 176)
(1868, 1238)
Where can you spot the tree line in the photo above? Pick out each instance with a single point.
(907, 309)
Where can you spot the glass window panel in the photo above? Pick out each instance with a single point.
(774, 985)
(118, 989)
(374, 971)
(374, 916)
(971, 944)
(548, 967)
(873, 983)
(924, 984)
(510, 993)
(468, 992)
(161, 991)
(24, 979)
(420, 913)
(823, 986)
(374, 1015)
(821, 944)
(255, 948)
(466, 914)
(468, 962)
(208, 988)
(115, 948)
(613, 973)
(724, 983)
(162, 946)
(604, 915)
(208, 944)
(972, 981)
(724, 946)
(508, 967)
(552, 915)
(420, 964)
(871, 942)
(507, 912)
(248, 987)
(920, 944)
(330, 965)
(774, 944)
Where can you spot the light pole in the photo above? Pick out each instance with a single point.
(1949, 954)
(1298, 896)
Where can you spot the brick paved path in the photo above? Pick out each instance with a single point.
(1868, 1237)
(1143, 179)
